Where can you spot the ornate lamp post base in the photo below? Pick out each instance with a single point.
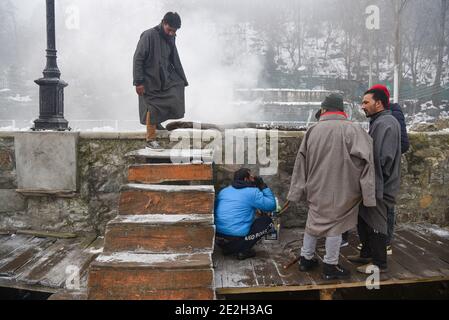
(51, 102)
(51, 87)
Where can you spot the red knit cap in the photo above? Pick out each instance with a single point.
(383, 88)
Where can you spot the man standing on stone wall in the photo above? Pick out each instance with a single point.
(372, 225)
(159, 77)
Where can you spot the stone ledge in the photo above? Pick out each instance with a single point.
(48, 193)
(140, 135)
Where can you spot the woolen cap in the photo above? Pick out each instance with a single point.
(333, 102)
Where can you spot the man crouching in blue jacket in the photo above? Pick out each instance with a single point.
(238, 229)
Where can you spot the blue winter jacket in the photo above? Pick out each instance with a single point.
(235, 209)
(399, 115)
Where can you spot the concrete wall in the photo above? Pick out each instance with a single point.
(102, 169)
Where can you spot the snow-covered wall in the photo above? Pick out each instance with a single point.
(102, 168)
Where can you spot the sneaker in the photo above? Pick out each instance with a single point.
(389, 250)
(359, 247)
(307, 265)
(344, 243)
(335, 272)
(154, 146)
(368, 269)
(358, 259)
(160, 127)
(246, 254)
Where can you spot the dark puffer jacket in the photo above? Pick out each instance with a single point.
(396, 110)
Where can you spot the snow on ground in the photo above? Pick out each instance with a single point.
(421, 117)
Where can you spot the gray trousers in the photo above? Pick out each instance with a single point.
(332, 248)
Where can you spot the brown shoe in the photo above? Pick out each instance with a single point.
(369, 268)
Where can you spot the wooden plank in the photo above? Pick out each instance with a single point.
(266, 270)
(25, 258)
(217, 260)
(47, 234)
(243, 290)
(405, 255)
(52, 257)
(404, 268)
(431, 233)
(15, 284)
(183, 202)
(395, 270)
(77, 257)
(237, 274)
(159, 173)
(290, 247)
(175, 155)
(428, 259)
(24, 249)
(432, 247)
(160, 233)
(11, 243)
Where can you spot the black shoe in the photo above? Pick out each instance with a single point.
(307, 265)
(335, 272)
(246, 254)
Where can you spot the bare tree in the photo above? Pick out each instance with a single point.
(436, 94)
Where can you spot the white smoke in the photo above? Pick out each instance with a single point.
(96, 42)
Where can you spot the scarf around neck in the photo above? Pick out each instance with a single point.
(241, 184)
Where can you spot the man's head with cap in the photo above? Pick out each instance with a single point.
(382, 88)
(375, 101)
(333, 102)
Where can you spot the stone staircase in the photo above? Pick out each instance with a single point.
(160, 246)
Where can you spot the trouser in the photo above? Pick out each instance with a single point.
(345, 236)
(232, 245)
(151, 129)
(391, 219)
(374, 244)
(332, 248)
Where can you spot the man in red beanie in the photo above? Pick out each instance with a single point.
(372, 222)
(396, 111)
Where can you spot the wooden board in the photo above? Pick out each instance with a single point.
(159, 173)
(153, 202)
(412, 262)
(40, 264)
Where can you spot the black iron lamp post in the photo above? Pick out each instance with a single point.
(51, 87)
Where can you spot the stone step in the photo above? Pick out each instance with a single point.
(172, 156)
(160, 234)
(130, 276)
(141, 199)
(160, 173)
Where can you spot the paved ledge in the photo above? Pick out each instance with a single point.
(140, 135)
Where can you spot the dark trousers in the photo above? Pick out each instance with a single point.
(232, 245)
(374, 244)
(391, 219)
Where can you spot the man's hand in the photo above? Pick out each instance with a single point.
(260, 183)
(140, 90)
